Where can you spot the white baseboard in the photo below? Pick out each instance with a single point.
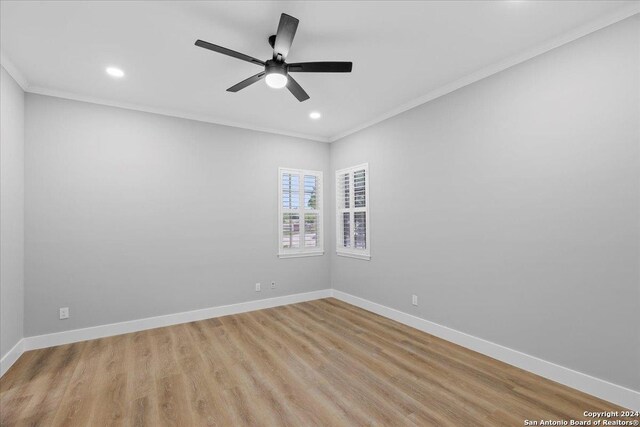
(600, 388)
(76, 335)
(12, 355)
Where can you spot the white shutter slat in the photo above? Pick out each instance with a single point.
(290, 185)
(343, 191)
(359, 188)
(360, 230)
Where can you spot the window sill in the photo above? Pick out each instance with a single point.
(300, 254)
(352, 255)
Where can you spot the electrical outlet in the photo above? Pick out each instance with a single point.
(273, 285)
(414, 299)
(64, 313)
(257, 287)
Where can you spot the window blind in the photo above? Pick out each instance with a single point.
(300, 213)
(352, 212)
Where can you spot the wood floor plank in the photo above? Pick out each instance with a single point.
(350, 378)
(245, 387)
(356, 364)
(304, 376)
(253, 381)
(390, 376)
(141, 362)
(217, 371)
(305, 407)
(308, 369)
(207, 406)
(78, 400)
(48, 392)
(110, 386)
(16, 376)
(318, 363)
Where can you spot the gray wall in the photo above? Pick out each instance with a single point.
(131, 215)
(511, 207)
(11, 212)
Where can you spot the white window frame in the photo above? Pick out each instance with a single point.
(301, 251)
(353, 252)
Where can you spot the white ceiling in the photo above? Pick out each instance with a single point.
(403, 53)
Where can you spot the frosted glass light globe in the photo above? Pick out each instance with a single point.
(276, 80)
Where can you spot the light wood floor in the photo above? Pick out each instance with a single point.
(316, 363)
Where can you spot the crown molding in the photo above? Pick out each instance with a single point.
(13, 71)
(509, 62)
(168, 112)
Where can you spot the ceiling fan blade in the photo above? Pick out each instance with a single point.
(284, 37)
(296, 89)
(320, 67)
(228, 52)
(247, 82)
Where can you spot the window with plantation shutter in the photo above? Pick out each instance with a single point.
(352, 212)
(299, 213)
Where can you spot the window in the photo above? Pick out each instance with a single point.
(299, 213)
(352, 212)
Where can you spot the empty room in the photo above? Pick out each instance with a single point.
(320, 213)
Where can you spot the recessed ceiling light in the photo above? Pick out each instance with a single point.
(115, 72)
(315, 115)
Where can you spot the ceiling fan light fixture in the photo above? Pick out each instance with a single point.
(276, 70)
(276, 80)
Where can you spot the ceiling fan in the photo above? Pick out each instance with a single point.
(276, 70)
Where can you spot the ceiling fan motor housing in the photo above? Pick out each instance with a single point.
(272, 66)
